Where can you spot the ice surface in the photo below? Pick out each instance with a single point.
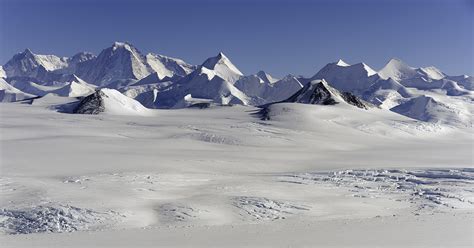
(424, 188)
(51, 219)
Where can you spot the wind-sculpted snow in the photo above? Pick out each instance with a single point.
(432, 189)
(51, 219)
(261, 208)
(172, 212)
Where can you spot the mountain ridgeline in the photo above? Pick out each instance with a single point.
(146, 81)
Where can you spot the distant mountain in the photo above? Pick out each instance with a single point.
(75, 87)
(110, 101)
(223, 67)
(9, 93)
(32, 86)
(158, 81)
(263, 88)
(121, 61)
(425, 108)
(352, 78)
(203, 83)
(28, 64)
(398, 70)
(321, 93)
(3, 74)
(168, 67)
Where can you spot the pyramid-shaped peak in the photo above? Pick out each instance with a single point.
(397, 69)
(223, 67)
(321, 93)
(211, 62)
(221, 55)
(27, 51)
(396, 62)
(369, 69)
(75, 78)
(341, 62)
(266, 77)
(122, 45)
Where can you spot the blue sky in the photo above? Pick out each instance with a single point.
(281, 37)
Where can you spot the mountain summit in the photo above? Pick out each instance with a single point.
(223, 67)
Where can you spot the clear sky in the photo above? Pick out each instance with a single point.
(280, 37)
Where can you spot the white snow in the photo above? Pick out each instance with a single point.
(167, 67)
(397, 70)
(9, 93)
(203, 83)
(341, 62)
(115, 103)
(353, 78)
(222, 172)
(211, 168)
(223, 67)
(76, 87)
(2, 72)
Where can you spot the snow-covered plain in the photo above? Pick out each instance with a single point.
(310, 175)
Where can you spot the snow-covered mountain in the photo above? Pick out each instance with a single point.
(223, 67)
(120, 61)
(28, 64)
(262, 88)
(110, 101)
(158, 81)
(426, 108)
(321, 93)
(345, 77)
(398, 70)
(33, 86)
(203, 83)
(75, 87)
(168, 67)
(9, 93)
(2, 72)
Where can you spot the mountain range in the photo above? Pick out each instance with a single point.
(151, 80)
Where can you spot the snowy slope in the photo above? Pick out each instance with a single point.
(467, 82)
(386, 93)
(120, 61)
(205, 177)
(426, 108)
(321, 93)
(75, 87)
(23, 63)
(253, 86)
(266, 77)
(9, 93)
(2, 72)
(342, 76)
(33, 87)
(203, 83)
(168, 67)
(410, 76)
(282, 89)
(223, 67)
(110, 101)
(146, 90)
(262, 88)
(28, 64)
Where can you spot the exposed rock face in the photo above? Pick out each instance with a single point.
(319, 92)
(92, 104)
(354, 100)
